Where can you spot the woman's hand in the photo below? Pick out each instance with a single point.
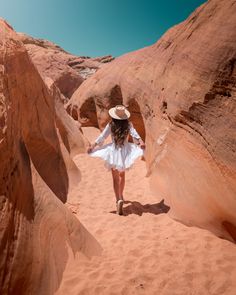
(142, 144)
(91, 147)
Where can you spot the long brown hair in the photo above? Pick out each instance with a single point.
(119, 130)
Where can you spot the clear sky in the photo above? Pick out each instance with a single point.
(97, 27)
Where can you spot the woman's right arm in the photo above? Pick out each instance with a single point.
(135, 135)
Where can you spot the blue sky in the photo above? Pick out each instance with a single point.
(97, 27)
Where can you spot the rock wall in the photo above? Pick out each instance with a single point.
(38, 234)
(181, 93)
(68, 71)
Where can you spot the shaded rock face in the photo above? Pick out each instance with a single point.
(37, 232)
(181, 93)
(66, 70)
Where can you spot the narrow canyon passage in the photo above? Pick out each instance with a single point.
(144, 252)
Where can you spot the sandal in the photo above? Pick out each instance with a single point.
(120, 207)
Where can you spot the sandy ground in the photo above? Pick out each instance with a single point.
(144, 251)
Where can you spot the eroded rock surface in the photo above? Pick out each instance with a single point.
(181, 92)
(38, 234)
(66, 70)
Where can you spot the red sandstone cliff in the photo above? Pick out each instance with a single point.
(66, 70)
(181, 92)
(38, 233)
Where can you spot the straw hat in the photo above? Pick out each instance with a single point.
(119, 112)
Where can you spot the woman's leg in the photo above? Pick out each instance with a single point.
(116, 183)
(122, 184)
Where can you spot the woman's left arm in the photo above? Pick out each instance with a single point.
(100, 139)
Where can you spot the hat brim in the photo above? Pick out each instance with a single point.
(115, 116)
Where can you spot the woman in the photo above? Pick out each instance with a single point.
(120, 154)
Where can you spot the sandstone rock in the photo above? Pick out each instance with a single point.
(38, 234)
(69, 130)
(181, 92)
(66, 70)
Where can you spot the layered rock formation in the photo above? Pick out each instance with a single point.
(182, 95)
(66, 70)
(38, 233)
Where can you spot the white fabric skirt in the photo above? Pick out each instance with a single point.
(121, 158)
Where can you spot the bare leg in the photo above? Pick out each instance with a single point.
(116, 183)
(122, 184)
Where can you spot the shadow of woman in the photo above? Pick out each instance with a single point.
(137, 208)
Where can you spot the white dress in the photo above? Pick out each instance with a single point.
(121, 158)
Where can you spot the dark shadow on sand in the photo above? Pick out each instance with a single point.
(137, 208)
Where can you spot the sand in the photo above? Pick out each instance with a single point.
(144, 251)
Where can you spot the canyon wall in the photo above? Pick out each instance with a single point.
(181, 92)
(38, 234)
(67, 71)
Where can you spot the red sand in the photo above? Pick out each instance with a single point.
(143, 252)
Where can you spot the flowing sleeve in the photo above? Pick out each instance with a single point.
(133, 132)
(106, 131)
